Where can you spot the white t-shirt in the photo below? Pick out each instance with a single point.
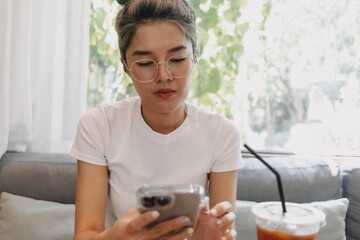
(116, 135)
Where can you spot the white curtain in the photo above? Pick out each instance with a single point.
(43, 71)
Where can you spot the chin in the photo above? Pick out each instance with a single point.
(167, 108)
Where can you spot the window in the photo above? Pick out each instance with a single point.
(287, 73)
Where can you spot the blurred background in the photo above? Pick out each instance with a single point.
(287, 73)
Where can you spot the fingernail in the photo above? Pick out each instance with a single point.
(226, 205)
(155, 214)
(213, 212)
(185, 220)
(190, 230)
(203, 204)
(223, 238)
(218, 222)
(231, 216)
(233, 233)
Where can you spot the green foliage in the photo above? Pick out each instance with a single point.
(214, 75)
(221, 47)
(258, 48)
(104, 60)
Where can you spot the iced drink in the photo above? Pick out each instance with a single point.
(298, 223)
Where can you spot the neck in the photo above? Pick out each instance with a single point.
(164, 123)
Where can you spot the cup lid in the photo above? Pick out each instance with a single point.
(298, 214)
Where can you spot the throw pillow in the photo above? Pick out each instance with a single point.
(320, 179)
(27, 218)
(351, 189)
(334, 229)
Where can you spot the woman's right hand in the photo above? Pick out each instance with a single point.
(131, 226)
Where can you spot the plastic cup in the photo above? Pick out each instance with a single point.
(298, 223)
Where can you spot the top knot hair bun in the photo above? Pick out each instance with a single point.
(122, 2)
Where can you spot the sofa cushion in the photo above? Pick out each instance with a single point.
(303, 179)
(27, 218)
(335, 211)
(46, 176)
(38, 219)
(351, 190)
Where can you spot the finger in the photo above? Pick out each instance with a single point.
(137, 225)
(220, 209)
(226, 221)
(184, 234)
(203, 209)
(169, 226)
(230, 235)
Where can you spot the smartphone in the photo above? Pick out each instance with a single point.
(171, 201)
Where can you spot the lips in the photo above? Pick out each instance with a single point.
(164, 93)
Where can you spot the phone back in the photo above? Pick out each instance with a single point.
(171, 201)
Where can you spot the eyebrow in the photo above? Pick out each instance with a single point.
(141, 53)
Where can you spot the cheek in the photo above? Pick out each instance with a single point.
(141, 89)
(188, 84)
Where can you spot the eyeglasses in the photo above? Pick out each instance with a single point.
(146, 70)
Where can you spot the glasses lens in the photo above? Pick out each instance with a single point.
(179, 66)
(144, 70)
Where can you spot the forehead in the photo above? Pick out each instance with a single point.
(159, 37)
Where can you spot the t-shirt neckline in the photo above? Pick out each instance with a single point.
(159, 137)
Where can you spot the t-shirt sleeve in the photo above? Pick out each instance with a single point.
(228, 149)
(91, 138)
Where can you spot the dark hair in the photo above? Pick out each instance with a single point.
(137, 12)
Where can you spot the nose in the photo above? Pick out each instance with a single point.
(163, 73)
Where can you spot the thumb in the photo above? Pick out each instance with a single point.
(203, 208)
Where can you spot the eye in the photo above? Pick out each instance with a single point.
(144, 63)
(177, 59)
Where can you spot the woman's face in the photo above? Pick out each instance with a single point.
(159, 41)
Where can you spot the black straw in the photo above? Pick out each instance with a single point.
(282, 197)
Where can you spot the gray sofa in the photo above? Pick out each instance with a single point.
(38, 193)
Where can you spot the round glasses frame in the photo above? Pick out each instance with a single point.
(193, 60)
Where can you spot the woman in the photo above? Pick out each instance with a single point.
(155, 138)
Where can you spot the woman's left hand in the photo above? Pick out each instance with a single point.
(215, 224)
